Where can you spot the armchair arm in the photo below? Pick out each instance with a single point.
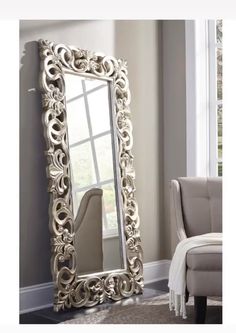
(176, 215)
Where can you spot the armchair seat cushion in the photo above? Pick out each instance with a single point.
(205, 258)
(204, 283)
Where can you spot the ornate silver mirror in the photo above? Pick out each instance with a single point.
(94, 223)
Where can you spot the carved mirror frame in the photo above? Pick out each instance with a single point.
(71, 290)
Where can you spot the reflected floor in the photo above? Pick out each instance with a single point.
(48, 316)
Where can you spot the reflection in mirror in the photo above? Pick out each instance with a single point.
(96, 203)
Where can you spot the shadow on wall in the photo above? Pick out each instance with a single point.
(52, 25)
(34, 197)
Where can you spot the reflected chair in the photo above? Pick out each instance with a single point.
(89, 233)
(196, 208)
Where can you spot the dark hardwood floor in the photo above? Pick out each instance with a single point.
(48, 316)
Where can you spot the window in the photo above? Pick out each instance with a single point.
(204, 98)
(215, 96)
(90, 141)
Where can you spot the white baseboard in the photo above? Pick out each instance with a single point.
(40, 296)
(36, 297)
(156, 270)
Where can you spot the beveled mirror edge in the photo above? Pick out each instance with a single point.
(71, 290)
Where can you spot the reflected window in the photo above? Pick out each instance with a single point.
(104, 157)
(83, 162)
(90, 142)
(78, 129)
(110, 207)
(99, 112)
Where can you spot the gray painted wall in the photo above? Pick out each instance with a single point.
(139, 43)
(111, 254)
(174, 109)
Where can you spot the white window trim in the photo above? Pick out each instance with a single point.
(110, 233)
(201, 129)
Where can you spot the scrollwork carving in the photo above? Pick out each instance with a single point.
(70, 289)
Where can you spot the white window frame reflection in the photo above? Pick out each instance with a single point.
(107, 232)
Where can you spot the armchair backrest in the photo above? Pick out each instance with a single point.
(88, 233)
(201, 201)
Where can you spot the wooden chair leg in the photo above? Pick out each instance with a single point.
(200, 305)
(186, 295)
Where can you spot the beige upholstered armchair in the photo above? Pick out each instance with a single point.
(196, 208)
(88, 233)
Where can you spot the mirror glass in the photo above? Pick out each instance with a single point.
(95, 193)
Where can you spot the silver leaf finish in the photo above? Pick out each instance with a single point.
(72, 290)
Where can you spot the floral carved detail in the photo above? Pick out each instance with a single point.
(72, 290)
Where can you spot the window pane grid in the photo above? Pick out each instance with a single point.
(87, 93)
(218, 45)
(85, 188)
(105, 223)
(99, 182)
(89, 139)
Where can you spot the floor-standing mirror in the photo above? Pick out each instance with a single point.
(94, 222)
